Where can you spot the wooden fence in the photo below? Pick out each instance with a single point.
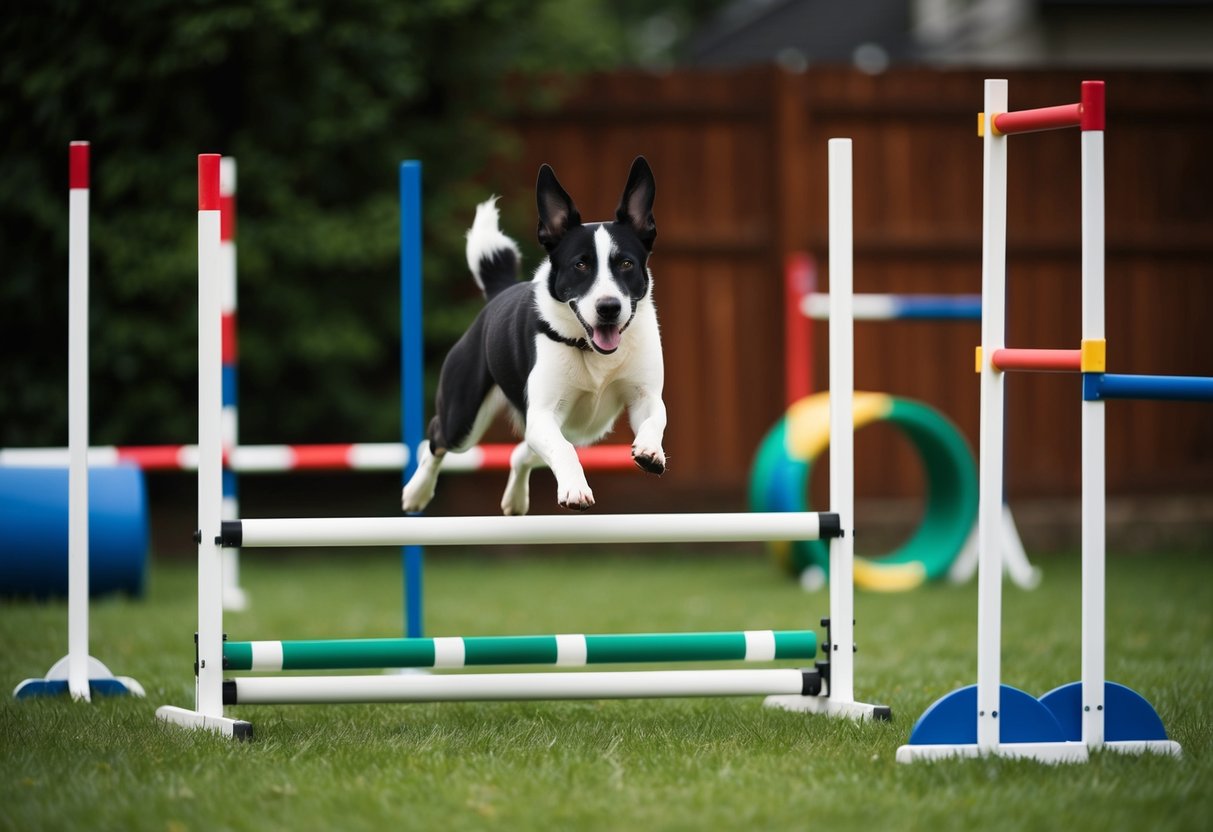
(740, 160)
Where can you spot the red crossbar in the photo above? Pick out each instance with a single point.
(1040, 361)
(1044, 118)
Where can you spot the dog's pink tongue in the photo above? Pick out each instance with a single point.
(607, 338)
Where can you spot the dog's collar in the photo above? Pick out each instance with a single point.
(580, 343)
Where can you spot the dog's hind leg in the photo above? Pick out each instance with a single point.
(516, 500)
(420, 488)
(457, 426)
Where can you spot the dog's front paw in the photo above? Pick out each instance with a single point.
(651, 460)
(576, 499)
(414, 498)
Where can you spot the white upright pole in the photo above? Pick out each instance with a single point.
(210, 443)
(990, 461)
(208, 692)
(77, 423)
(1093, 436)
(842, 456)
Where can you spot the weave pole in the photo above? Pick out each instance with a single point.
(569, 650)
(77, 674)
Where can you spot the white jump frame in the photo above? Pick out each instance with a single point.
(784, 688)
(1093, 701)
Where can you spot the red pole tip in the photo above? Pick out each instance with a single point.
(1092, 114)
(208, 182)
(77, 165)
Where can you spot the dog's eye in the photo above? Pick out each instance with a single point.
(626, 265)
(581, 266)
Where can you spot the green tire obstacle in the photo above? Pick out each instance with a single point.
(783, 466)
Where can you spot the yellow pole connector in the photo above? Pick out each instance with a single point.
(1094, 356)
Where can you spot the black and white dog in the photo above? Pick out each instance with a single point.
(567, 351)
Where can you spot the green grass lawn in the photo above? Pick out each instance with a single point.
(665, 764)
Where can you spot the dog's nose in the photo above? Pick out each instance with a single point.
(608, 310)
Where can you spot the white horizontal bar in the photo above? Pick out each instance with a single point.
(869, 307)
(296, 690)
(560, 529)
(101, 457)
(248, 458)
(379, 456)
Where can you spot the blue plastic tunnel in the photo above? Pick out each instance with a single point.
(33, 531)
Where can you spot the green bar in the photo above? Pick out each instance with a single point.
(237, 655)
(795, 644)
(351, 653)
(665, 647)
(340, 654)
(482, 650)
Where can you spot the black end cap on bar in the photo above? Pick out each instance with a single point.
(229, 692)
(231, 534)
(829, 525)
(242, 730)
(810, 682)
(882, 713)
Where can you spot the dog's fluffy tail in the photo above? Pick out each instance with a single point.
(493, 257)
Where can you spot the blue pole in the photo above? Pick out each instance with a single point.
(412, 369)
(1098, 386)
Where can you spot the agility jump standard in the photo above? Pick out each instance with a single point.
(826, 689)
(991, 718)
(78, 673)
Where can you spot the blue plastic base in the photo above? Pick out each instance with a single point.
(1127, 714)
(952, 720)
(41, 688)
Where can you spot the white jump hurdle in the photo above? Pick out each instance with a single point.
(827, 689)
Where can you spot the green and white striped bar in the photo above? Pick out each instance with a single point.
(500, 687)
(572, 650)
(530, 530)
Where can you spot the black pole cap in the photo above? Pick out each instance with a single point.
(231, 534)
(829, 525)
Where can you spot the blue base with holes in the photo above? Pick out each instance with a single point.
(1127, 714)
(952, 719)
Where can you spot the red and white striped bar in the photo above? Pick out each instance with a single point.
(490, 687)
(1037, 361)
(528, 530)
(264, 459)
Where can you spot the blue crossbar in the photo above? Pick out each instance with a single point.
(1100, 386)
(939, 307)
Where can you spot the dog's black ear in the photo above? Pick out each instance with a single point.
(636, 204)
(557, 213)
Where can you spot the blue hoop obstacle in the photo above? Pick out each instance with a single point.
(33, 531)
